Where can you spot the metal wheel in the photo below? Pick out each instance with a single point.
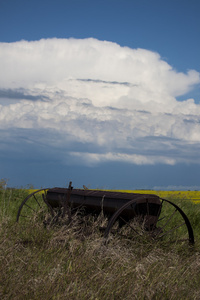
(173, 225)
(33, 206)
(169, 224)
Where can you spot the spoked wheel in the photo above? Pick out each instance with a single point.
(34, 206)
(163, 221)
(173, 225)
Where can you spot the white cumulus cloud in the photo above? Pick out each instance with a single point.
(93, 101)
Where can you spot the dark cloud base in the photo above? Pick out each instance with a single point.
(20, 94)
(110, 175)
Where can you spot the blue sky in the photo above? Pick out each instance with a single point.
(103, 93)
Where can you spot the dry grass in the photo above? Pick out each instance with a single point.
(63, 261)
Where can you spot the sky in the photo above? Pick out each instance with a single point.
(105, 94)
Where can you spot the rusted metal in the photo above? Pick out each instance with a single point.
(94, 201)
(118, 206)
(66, 202)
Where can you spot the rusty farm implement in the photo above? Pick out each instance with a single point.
(129, 214)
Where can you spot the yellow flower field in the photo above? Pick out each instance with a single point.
(194, 196)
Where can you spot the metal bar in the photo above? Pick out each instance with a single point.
(37, 201)
(168, 220)
(127, 223)
(171, 230)
(30, 207)
(66, 202)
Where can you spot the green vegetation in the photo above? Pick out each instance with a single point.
(62, 261)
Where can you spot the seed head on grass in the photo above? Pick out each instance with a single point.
(69, 260)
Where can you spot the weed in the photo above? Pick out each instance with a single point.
(70, 261)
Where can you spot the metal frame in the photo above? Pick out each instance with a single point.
(116, 205)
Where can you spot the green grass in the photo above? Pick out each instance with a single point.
(62, 261)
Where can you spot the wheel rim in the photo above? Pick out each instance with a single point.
(33, 205)
(117, 214)
(172, 224)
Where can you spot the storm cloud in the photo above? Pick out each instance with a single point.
(89, 101)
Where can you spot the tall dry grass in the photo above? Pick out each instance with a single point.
(71, 261)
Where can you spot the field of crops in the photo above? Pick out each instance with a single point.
(193, 196)
(70, 261)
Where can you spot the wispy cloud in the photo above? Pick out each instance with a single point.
(105, 103)
(7, 95)
(102, 81)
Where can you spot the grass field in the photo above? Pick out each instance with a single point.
(62, 261)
